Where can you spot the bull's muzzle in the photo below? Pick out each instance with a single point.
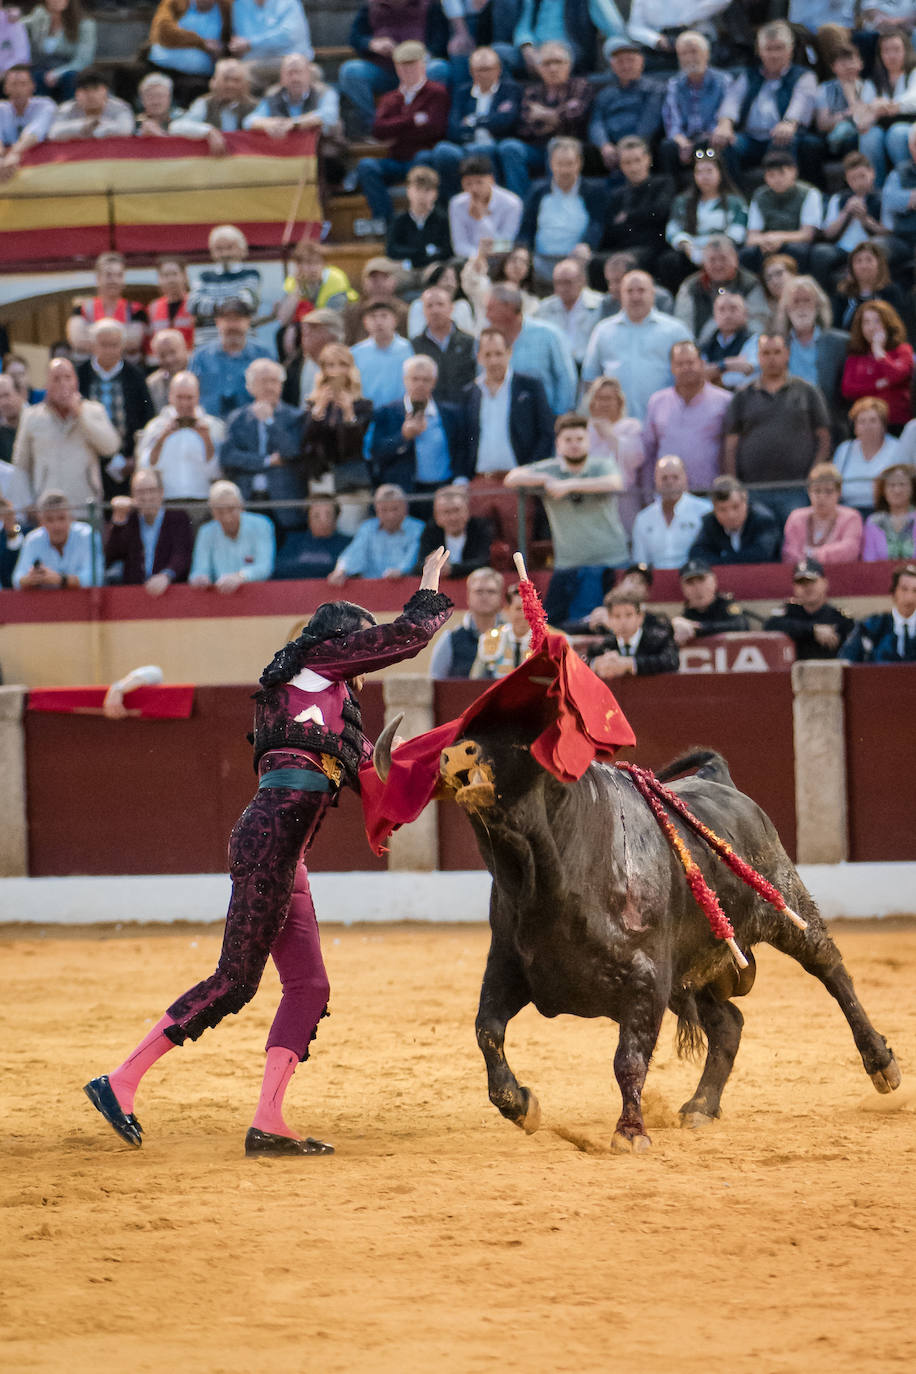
(466, 776)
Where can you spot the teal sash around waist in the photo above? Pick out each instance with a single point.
(296, 779)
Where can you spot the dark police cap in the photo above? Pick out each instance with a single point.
(694, 567)
(807, 570)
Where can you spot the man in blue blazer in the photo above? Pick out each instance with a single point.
(502, 429)
(416, 440)
(262, 451)
(563, 211)
(483, 111)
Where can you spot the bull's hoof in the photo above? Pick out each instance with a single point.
(888, 1078)
(693, 1121)
(532, 1118)
(630, 1145)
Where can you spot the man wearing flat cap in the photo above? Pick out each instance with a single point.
(411, 119)
(817, 629)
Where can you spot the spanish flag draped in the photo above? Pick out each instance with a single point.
(149, 195)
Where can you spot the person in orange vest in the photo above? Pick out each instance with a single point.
(170, 310)
(110, 303)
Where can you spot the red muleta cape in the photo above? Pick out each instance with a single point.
(586, 724)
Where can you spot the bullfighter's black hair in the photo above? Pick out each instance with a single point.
(332, 620)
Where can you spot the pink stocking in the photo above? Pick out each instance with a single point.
(279, 1069)
(126, 1077)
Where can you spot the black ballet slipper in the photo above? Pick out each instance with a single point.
(263, 1143)
(102, 1096)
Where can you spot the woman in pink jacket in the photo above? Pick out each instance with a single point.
(825, 530)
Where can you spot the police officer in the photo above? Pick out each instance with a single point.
(707, 611)
(816, 628)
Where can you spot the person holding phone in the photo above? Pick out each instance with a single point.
(181, 443)
(308, 744)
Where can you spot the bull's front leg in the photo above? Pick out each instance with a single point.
(503, 993)
(640, 1024)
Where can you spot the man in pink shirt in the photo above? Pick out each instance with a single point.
(686, 419)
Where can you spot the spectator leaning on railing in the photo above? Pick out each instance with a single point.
(233, 548)
(93, 112)
(63, 552)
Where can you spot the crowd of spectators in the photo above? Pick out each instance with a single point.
(671, 298)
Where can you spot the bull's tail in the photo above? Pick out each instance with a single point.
(691, 1041)
(705, 763)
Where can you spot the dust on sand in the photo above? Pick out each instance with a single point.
(780, 1238)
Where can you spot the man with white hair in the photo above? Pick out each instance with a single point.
(235, 547)
(263, 446)
(574, 308)
(156, 113)
(181, 442)
(692, 102)
(60, 440)
(222, 110)
(299, 102)
(121, 388)
(170, 351)
(635, 345)
(416, 441)
(62, 552)
(384, 546)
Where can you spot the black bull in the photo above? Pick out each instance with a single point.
(591, 915)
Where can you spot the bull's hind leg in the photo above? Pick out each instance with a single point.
(722, 1024)
(503, 993)
(639, 1027)
(818, 955)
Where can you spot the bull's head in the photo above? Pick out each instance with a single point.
(464, 775)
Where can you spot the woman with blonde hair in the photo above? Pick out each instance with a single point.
(336, 418)
(824, 530)
(614, 435)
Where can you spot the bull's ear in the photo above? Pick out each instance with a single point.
(381, 754)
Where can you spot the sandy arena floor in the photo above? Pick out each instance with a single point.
(439, 1236)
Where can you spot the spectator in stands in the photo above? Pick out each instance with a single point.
(727, 344)
(481, 273)
(564, 214)
(770, 104)
(587, 535)
(385, 546)
(775, 274)
(889, 94)
(444, 275)
(314, 551)
(483, 112)
(574, 308)
(888, 636)
(222, 110)
(170, 310)
(664, 532)
(336, 418)
(12, 405)
(632, 648)
(416, 441)
(890, 531)
(707, 611)
(736, 530)
(313, 285)
(63, 44)
(720, 272)
(220, 367)
(816, 628)
(121, 389)
(262, 450)
(20, 373)
(233, 548)
(299, 102)
(880, 361)
(376, 32)
(228, 280)
(455, 650)
(504, 647)
(852, 217)
(420, 234)
(79, 340)
(687, 418)
(614, 434)
(537, 349)
(62, 439)
(379, 282)
(859, 460)
(62, 552)
(521, 30)
(451, 349)
(482, 210)
(897, 213)
(411, 120)
(776, 428)
(817, 352)
(187, 37)
(615, 268)
(710, 210)
(14, 41)
(316, 330)
(171, 353)
(152, 545)
(629, 105)
(181, 442)
(382, 356)
(110, 303)
(639, 205)
(635, 345)
(867, 277)
(784, 215)
(12, 537)
(654, 24)
(824, 530)
(840, 113)
(692, 102)
(93, 112)
(453, 527)
(25, 118)
(557, 106)
(264, 32)
(507, 419)
(156, 109)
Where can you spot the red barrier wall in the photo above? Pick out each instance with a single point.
(746, 716)
(881, 761)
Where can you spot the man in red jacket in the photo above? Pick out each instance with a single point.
(411, 120)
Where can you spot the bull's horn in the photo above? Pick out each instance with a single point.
(381, 754)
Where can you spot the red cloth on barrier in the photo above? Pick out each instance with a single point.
(153, 703)
(584, 723)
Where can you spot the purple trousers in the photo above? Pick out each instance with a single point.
(270, 914)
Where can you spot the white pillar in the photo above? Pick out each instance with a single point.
(14, 848)
(414, 846)
(820, 762)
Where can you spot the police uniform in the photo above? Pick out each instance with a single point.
(793, 620)
(719, 617)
